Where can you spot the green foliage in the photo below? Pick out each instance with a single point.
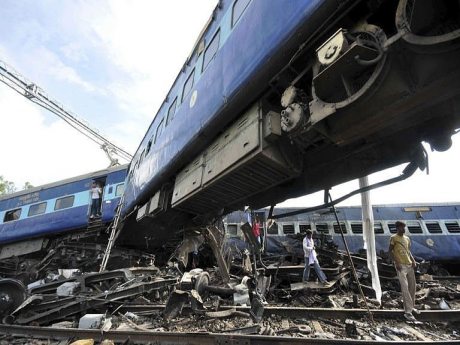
(6, 187)
(28, 185)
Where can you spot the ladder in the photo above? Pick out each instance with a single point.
(113, 234)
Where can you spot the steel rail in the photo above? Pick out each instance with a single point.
(186, 338)
(312, 313)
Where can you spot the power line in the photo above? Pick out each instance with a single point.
(34, 93)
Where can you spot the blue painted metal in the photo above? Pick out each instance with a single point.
(246, 49)
(52, 222)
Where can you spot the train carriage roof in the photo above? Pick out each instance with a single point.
(62, 182)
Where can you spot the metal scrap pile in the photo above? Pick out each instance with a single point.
(232, 294)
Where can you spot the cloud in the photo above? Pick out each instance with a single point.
(41, 151)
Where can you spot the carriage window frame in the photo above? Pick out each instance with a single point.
(325, 228)
(188, 85)
(35, 213)
(378, 228)
(58, 202)
(159, 130)
(209, 54)
(8, 214)
(288, 226)
(234, 232)
(241, 9)
(117, 190)
(171, 114)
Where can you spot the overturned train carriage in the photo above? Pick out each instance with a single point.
(281, 99)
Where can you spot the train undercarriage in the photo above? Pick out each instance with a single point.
(364, 101)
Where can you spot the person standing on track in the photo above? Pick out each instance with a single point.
(311, 259)
(405, 264)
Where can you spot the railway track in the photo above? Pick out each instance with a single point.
(160, 338)
(313, 313)
(204, 338)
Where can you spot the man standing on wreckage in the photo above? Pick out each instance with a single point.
(405, 265)
(311, 259)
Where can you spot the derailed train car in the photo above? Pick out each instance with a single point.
(284, 98)
(34, 222)
(434, 229)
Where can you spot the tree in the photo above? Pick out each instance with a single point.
(28, 185)
(6, 187)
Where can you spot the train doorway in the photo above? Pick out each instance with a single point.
(96, 196)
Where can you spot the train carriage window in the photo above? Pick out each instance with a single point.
(171, 112)
(65, 202)
(392, 227)
(337, 228)
(12, 215)
(238, 8)
(119, 190)
(452, 227)
(433, 227)
(232, 230)
(378, 228)
(149, 146)
(288, 229)
(273, 229)
(159, 130)
(35, 210)
(188, 85)
(304, 227)
(322, 228)
(211, 50)
(415, 228)
(357, 228)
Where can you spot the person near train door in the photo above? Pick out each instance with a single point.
(311, 259)
(256, 229)
(96, 193)
(405, 264)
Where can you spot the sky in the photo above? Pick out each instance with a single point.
(112, 62)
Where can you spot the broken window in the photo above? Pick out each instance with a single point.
(120, 189)
(238, 9)
(273, 229)
(378, 228)
(288, 229)
(65, 202)
(433, 227)
(188, 85)
(342, 225)
(232, 230)
(357, 228)
(452, 227)
(35, 210)
(171, 111)
(211, 50)
(12, 215)
(322, 228)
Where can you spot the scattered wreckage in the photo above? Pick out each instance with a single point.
(226, 293)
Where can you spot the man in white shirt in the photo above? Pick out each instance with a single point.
(96, 193)
(311, 259)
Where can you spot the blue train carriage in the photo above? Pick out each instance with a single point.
(29, 218)
(284, 98)
(434, 229)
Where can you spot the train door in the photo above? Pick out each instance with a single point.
(96, 195)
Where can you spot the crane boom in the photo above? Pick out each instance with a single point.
(36, 94)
